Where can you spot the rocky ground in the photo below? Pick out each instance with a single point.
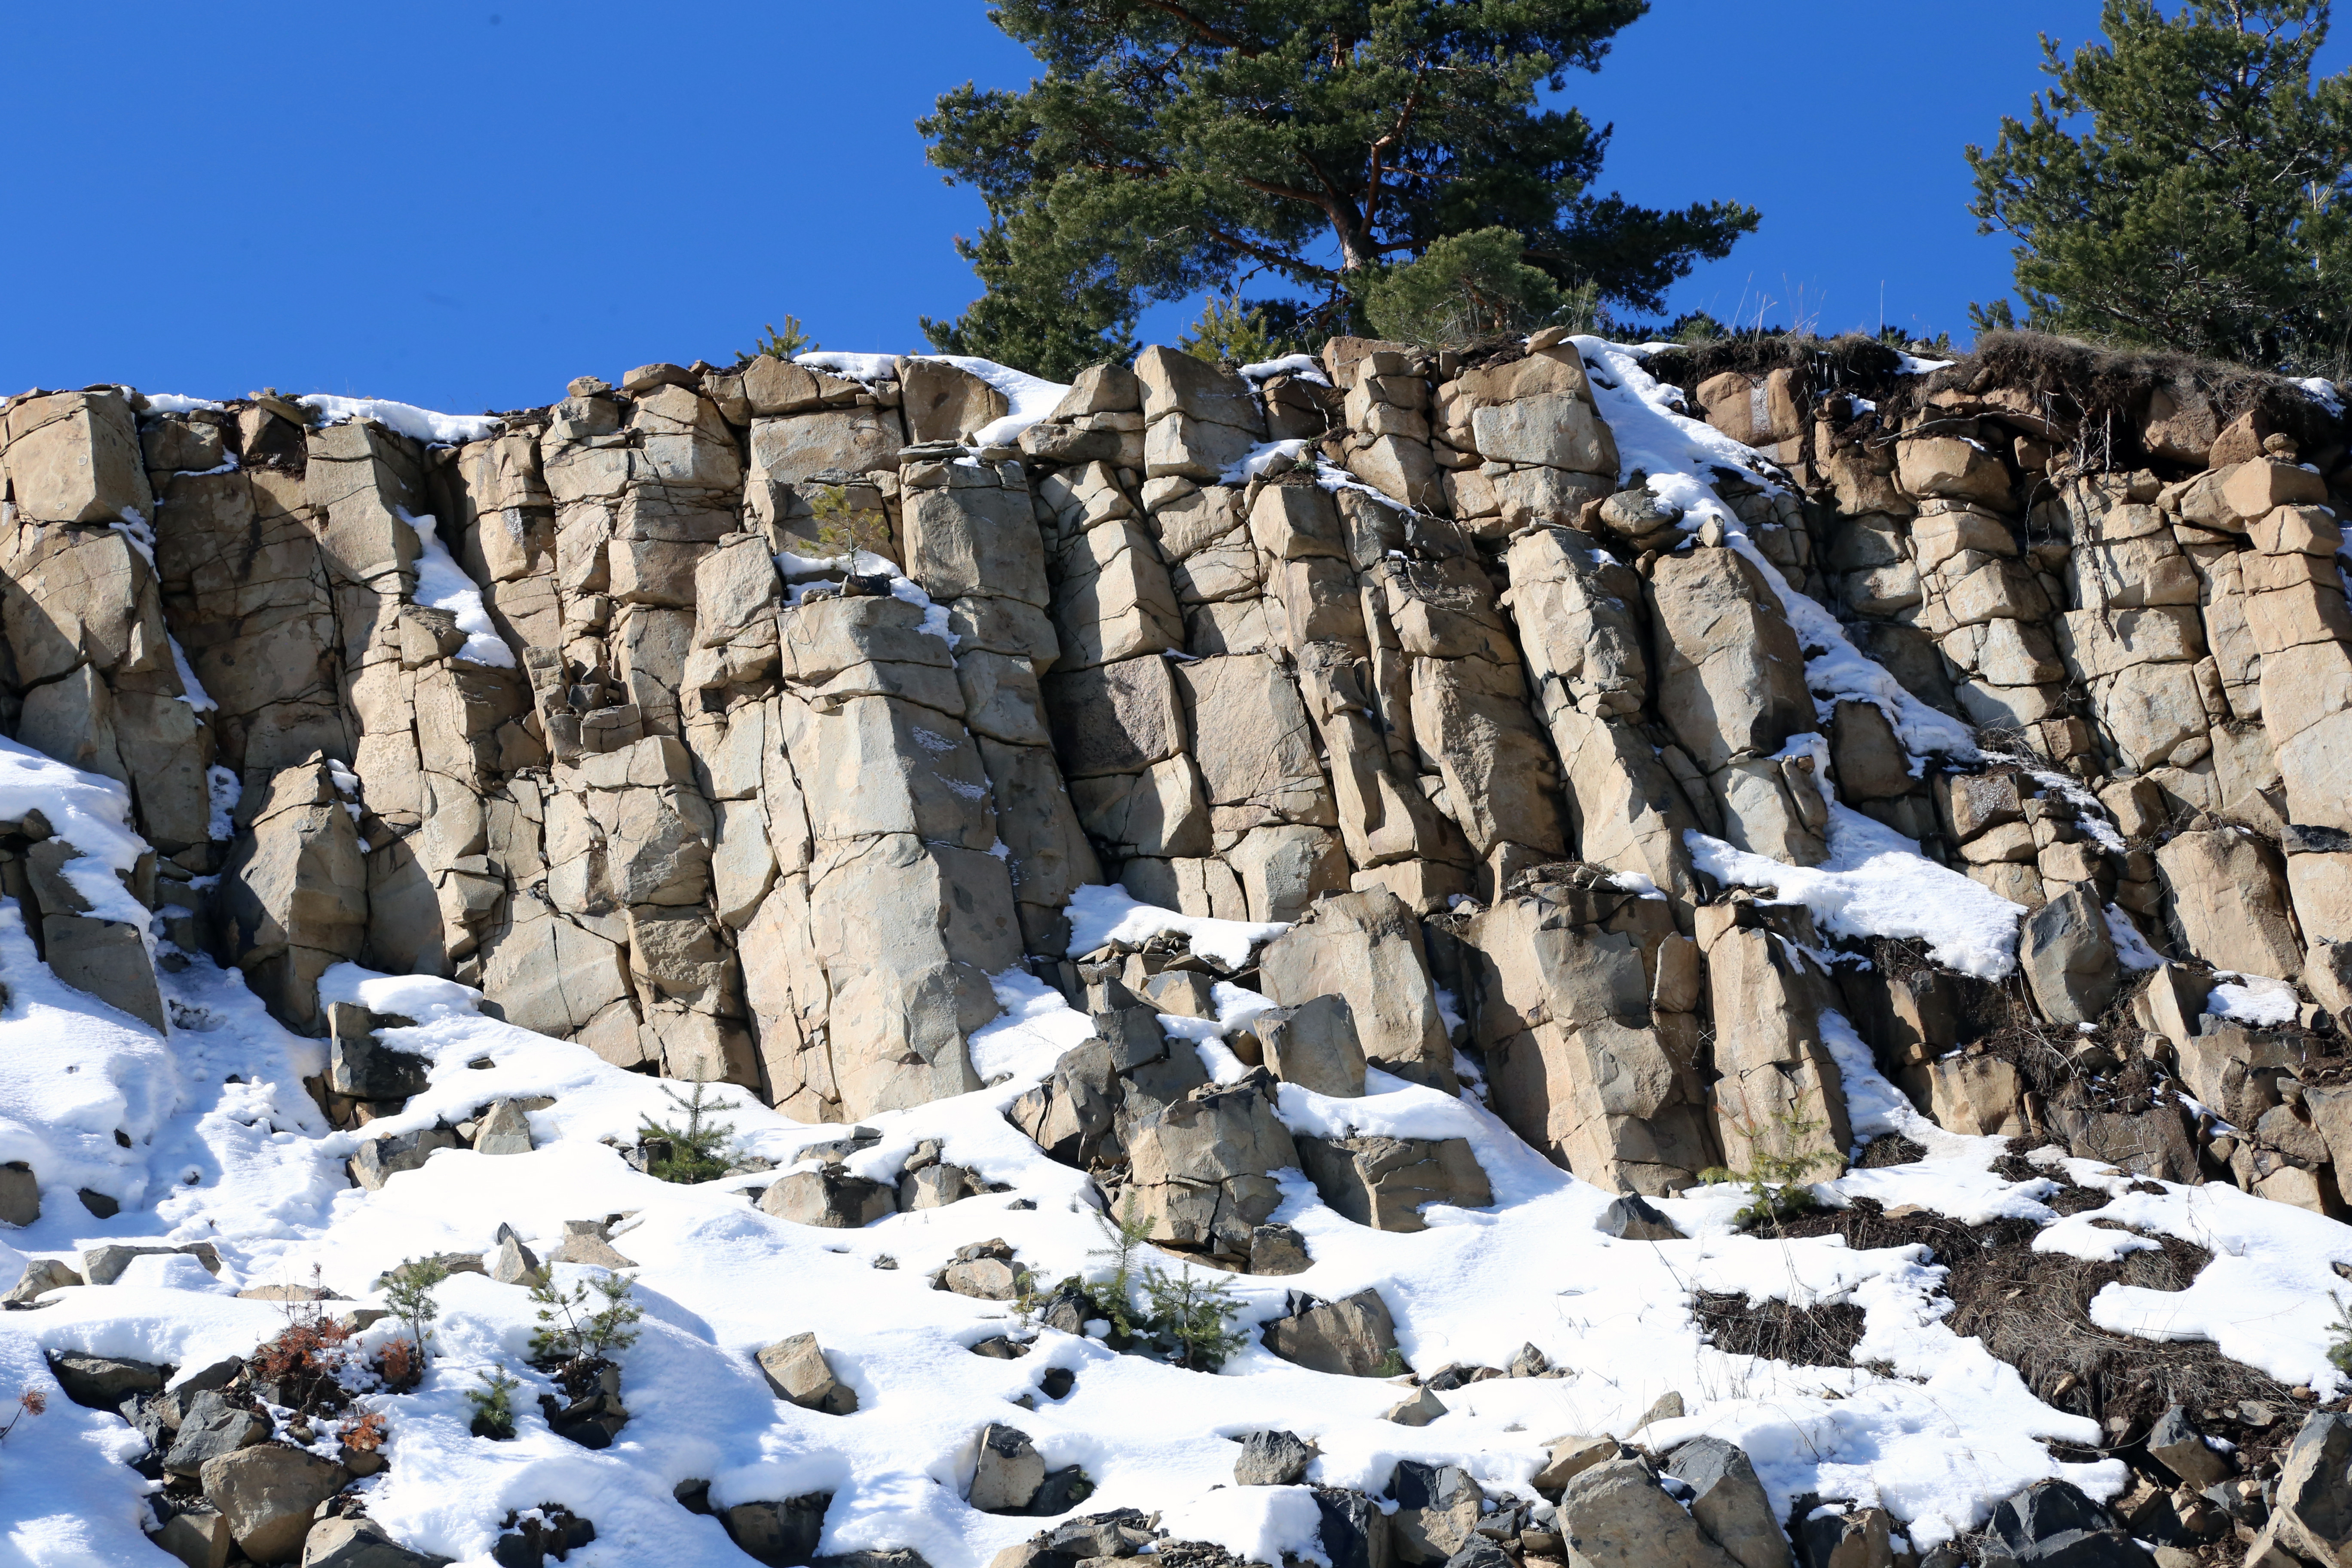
(1646, 988)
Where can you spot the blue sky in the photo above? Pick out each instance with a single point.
(465, 205)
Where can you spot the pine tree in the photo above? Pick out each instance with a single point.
(2184, 184)
(1169, 149)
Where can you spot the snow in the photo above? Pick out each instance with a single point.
(442, 585)
(210, 1137)
(174, 403)
(2255, 999)
(1676, 452)
(2132, 949)
(2325, 393)
(192, 691)
(1101, 915)
(1262, 458)
(1909, 364)
(417, 424)
(1875, 882)
(1304, 366)
(867, 368)
(1031, 397)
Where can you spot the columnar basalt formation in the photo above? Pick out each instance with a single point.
(743, 724)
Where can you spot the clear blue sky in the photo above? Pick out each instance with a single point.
(465, 205)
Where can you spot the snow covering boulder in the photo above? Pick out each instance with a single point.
(1615, 1515)
(797, 1370)
(268, 1493)
(1385, 1181)
(1729, 1502)
(1353, 1337)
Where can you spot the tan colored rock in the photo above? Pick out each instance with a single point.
(797, 1370)
(1367, 947)
(2230, 898)
(1384, 1182)
(1780, 1091)
(1115, 718)
(1285, 867)
(294, 892)
(944, 401)
(1201, 1169)
(1952, 466)
(1730, 676)
(1560, 981)
(74, 457)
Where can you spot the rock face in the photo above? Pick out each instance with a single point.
(589, 711)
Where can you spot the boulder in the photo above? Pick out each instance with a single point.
(1419, 1410)
(380, 1159)
(1384, 1182)
(797, 1370)
(1367, 947)
(505, 1130)
(1009, 1471)
(2052, 1522)
(1438, 1510)
(1353, 1337)
(295, 892)
(1571, 1458)
(830, 1197)
(198, 1535)
(983, 1270)
(268, 1494)
(74, 457)
(2228, 893)
(780, 1534)
(351, 1541)
(2069, 958)
(1314, 1046)
(102, 1383)
(2311, 1507)
(1729, 1502)
(1201, 1169)
(20, 1194)
(1634, 1218)
(2176, 1444)
(1354, 1530)
(1615, 1515)
(1833, 1538)
(1272, 1458)
(212, 1426)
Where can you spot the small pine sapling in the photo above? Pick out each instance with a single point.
(493, 1405)
(783, 346)
(845, 528)
(698, 1151)
(1231, 331)
(1392, 1363)
(408, 1294)
(1776, 1182)
(1114, 1297)
(572, 1334)
(1192, 1320)
(2340, 1337)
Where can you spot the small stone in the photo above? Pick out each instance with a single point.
(1421, 1409)
(504, 1131)
(797, 1371)
(1634, 1218)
